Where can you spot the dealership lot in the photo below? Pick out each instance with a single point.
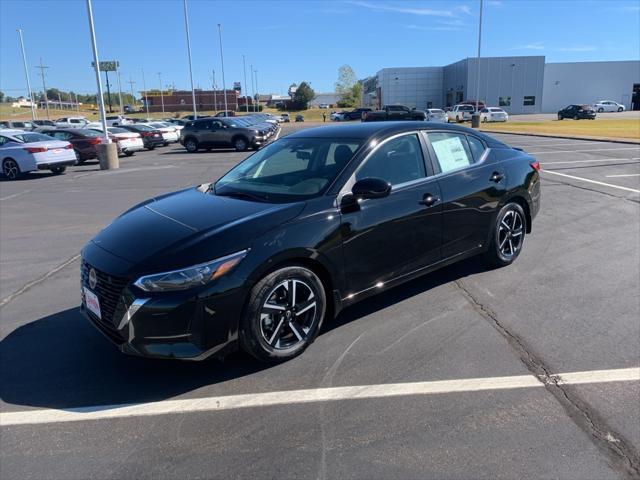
(569, 304)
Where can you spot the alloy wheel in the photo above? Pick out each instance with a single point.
(288, 314)
(10, 169)
(510, 233)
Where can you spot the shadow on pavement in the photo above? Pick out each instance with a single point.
(61, 361)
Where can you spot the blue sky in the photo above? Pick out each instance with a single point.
(290, 41)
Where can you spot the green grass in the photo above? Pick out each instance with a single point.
(627, 128)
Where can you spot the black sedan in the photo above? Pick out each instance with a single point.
(151, 138)
(577, 112)
(301, 229)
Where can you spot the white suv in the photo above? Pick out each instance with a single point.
(608, 106)
(460, 113)
(117, 120)
(72, 122)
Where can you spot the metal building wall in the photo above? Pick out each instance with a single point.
(588, 82)
(413, 87)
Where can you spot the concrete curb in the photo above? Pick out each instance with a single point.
(568, 137)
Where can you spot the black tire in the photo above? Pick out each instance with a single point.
(600, 110)
(151, 147)
(80, 161)
(560, 117)
(240, 144)
(191, 145)
(620, 109)
(504, 248)
(11, 169)
(58, 170)
(282, 333)
(128, 154)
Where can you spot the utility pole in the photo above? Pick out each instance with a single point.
(106, 74)
(224, 87)
(253, 89)
(44, 87)
(131, 84)
(103, 116)
(193, 92)
(244, 67)
(146, 100)
(26, 74)
(77, 104)
(119, 90)
(215, 103)
(161, 94)
(257, 94)
(478, 63)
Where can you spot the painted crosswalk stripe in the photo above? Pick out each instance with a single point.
(312, 395)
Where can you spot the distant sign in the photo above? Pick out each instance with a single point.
(108, 66)
(237, 87)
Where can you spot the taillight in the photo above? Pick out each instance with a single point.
(69, 146)
(146, 134)
(535, 166)
(35, 149)
(95, 141)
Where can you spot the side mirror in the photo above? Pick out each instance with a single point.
(371, 187)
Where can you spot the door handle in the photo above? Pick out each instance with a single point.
(429, 200)
(496, 177)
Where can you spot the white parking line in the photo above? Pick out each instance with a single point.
(624, 175)
(591, 161)
(587, 151)
(545, 145)
(592, 181)
(293, 397)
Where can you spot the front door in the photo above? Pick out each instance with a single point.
(386, 238)
(471, 186)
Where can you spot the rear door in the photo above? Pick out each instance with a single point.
(471, 185)
(386, 238)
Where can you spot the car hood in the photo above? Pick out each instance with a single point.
(190, 227)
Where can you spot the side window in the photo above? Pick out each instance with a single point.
(60, 135)
(3, 140)
(477, 147)
(452, 151)
(396, 161)
(217, 125)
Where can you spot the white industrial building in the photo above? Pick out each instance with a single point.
(525, 84)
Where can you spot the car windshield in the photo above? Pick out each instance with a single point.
(289, 170)
(32, 137)
(436, 110)
(87, 132)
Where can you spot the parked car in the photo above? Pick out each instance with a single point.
(22, 152)
(608, 106)
(116, 120)
(460, 113)
(71, 122)
(337, 116)
(170, 133)
(228, 113)
(481, 104)
(436, 115)
(177, 121)
(191, 117)
(577, 112)
(299, 118)
(19, 125)
(130, 109)
(151, 137)
(208, 133)
(128, 142)
(394, 112)
(355, 114)
(85, 141)
(493, 114)
(309, 225)
(285, 118)
(43, 123)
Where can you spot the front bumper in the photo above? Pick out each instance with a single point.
(177, 325)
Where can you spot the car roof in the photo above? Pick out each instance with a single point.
(367, 130)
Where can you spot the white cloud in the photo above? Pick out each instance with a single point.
(453, 23)
(381, 7)
(464, 9)
(429, 29)
(580, 48)
(530, 46)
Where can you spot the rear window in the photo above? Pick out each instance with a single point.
(89, 133)
(142, 128)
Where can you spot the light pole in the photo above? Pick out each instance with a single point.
(119, 89)
(44, 87)
(97, 69)
(257, 94)
(26, 74)
(253, 89)
(224, 87)
(244, 68)
(146, 99)
(478, 63)
(193, 92)
(213, 80)
(161, 94)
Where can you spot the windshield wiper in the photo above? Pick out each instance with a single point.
(244, 196)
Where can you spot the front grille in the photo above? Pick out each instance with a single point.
(109, 289)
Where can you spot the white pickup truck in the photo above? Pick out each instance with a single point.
(71, 122)
(460, 113)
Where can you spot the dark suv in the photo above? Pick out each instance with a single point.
(210, 133)
(355, 114)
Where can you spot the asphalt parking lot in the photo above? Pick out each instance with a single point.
(569, 304)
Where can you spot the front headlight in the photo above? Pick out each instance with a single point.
(190, 277)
